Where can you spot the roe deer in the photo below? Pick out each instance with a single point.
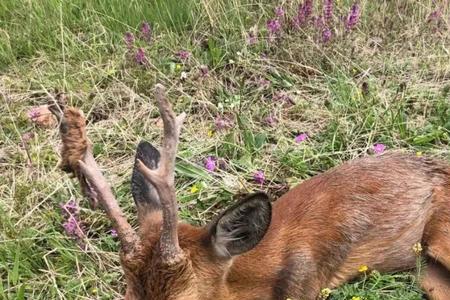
(368, 211)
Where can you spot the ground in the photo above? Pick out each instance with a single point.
(274, 95)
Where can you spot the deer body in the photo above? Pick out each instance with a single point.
(369, 211)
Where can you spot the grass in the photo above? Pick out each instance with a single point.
(386, 81)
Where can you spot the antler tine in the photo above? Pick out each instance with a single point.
(164, 176)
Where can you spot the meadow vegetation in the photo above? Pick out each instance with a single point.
(275, 93)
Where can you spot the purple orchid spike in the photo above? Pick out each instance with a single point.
(379, 148)
(129, 40)
(301, 138)
(140, 57)
(259, 177)
(326, 35)
(328, 10)
(146, 32)
(353, 17)
(183, 54)
(210, 163)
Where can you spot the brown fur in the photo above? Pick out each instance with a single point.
(75, 144)
(74, 140)
(369, 211)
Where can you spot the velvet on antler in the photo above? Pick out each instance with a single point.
(163, 177)
(77, 158)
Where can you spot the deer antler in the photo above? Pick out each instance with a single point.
(126, 233)
(77, 158)
(163, 177)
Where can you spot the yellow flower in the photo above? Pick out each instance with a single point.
(363, 269)
(417, 248)
(419, 153)
(325, 293)
(210, 133)
(194, 189)
(356, 298)
(94, 291)
(177, 67)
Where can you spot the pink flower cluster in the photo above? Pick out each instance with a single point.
(130, 40)
(304, 16)
(72, 225)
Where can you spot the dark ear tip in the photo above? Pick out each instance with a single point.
(144, 145)
(262, 194)
(146, 151)
(258, 196)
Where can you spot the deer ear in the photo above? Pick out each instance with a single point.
(241, 227)
(144, 193)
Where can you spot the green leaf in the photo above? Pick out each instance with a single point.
(260, 140)
(215, 53)
(21, 293)
(191, 171)
(15, 270)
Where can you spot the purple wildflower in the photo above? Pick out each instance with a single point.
(328, 10)
(146, 32)
(303, 14)
(72, 226)
(222, 123)
(70, 208)
(204, 71)
(301, 138)
(183, 54)
(379, 148)
(33, 114)
(259, 177)
(308, 8)
(113, 232)
(140, 57)
(274, 27)
(326, 35)
(210, 163)
(279, 11)
(129, 40)
(270, 120)
(353, 17)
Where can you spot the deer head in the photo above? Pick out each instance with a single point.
(165, 259)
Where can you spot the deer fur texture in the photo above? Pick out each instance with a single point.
(75, 144)
(368, 211)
